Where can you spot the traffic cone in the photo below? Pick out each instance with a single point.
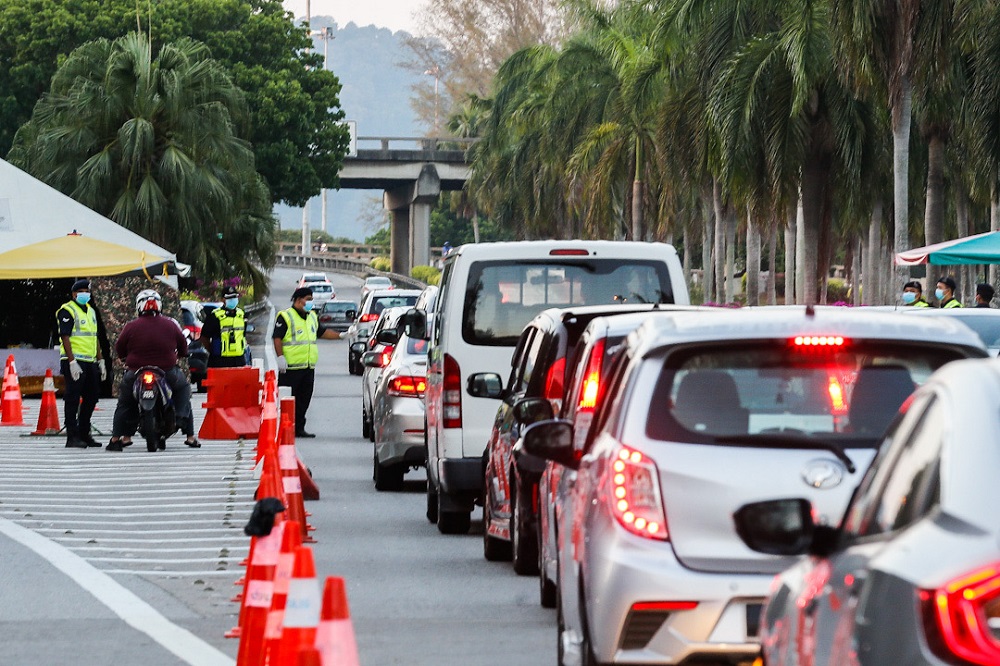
(335, 634)
(290, 540)
(310, 656)
(48, 413)
(288, 462)
(268, 416)
(302, 606)
(258, 563)
(11, 411)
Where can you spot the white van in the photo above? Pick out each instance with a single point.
(489, 292)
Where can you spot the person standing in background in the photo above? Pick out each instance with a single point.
(945, 293)
(225, 332)
(984, 295)
(81, 364)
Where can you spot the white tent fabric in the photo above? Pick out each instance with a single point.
(32, 214)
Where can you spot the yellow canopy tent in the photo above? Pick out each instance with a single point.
(73, 255)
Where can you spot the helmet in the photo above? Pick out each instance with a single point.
(148, 300)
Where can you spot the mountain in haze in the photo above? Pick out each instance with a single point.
(376, 94)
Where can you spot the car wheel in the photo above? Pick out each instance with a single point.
(432, 503)
(587, 656)
(388, 477)
(547, 590)
(494, 549)
(452, 522)
(523, 541)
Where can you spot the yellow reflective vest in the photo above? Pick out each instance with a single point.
(953, 303)
(232, 329)
(299, 344)
(84, 335)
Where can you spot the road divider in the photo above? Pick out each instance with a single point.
(233, 403)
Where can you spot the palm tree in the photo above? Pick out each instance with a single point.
(152, 144)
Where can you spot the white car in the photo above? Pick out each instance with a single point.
(378, 355)
(308, 278)
(371, 307)
(376, 282)
(323, 293)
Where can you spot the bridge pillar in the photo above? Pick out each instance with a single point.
(410, 206)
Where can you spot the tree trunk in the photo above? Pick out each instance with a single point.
(969, 273)
(790, 217)
(900, 172)
(859, 251)
(934, 205)
(875, 260)
(720, 244)
(800, 249)
(707, 264)
(772, 263)
(475, 227)
(686, 266)
(730, 254)
(994, 226)
(815, 175)
(753, 261)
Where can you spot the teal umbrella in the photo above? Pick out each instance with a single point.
(979, 249)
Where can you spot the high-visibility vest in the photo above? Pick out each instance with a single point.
(920, 304)
(953, 303)
(232, 327)
(84, 335)
(299, 344)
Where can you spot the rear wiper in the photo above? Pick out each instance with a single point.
(791, 441)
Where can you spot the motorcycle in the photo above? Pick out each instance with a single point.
(157, 419)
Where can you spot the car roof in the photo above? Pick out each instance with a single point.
(376, 293)
(763, 323)
(598, 249)
(380, 278)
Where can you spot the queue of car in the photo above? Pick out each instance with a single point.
(774, 485)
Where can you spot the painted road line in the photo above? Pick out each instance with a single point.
(125, 604)
(215, 549)
(174, 574)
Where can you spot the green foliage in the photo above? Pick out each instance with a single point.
(836, 290)
(149, 144)
(426, 274)
(381, 264)
(381, 237)
(293, 103)
(315, 235)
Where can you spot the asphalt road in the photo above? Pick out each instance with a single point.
(112, 556)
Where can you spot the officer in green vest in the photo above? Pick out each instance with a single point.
(295, 332)
(225, 334)
(80, 363)
(913, 295)
(945, 293)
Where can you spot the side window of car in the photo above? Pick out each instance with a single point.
(617, 374)
(517, 360)
(902, 484)
(531, 359)
(442, 303)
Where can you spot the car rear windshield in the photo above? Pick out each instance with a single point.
(761, 393)
(503, 296)
(987, 328)
(377, 281)
(188, 317)
(380, 303)
(321, 288)
(334, 306)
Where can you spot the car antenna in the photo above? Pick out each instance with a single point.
(810, 310)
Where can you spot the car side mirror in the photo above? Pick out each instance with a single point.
(372, 359)
(485, 385)
(387, 336)
(532, 410)
(776, 527)
(551, 440)
(414, 323)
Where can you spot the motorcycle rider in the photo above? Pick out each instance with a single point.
(151, 339)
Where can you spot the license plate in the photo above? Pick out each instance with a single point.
(148, 394)
(753, 620)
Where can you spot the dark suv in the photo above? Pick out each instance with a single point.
(534, 392)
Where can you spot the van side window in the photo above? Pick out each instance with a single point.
(442, 302)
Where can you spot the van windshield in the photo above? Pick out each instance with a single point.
(503, 296)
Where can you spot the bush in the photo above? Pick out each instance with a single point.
(836, 290)
(426, 274)
(381, 264)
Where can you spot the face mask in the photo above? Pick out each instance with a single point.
(939, 293)
(231, 303)
(308, 306)
(83, 298)
(909, 297)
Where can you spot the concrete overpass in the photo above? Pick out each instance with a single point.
(412, 173)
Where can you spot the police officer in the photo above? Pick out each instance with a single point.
(913, 295)
(945, 293)
(80, 363)
(295, 332)
(225, 331)
(984, 294)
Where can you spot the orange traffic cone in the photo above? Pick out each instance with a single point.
(48, 413)
(11, 412)
(298, 627)
(268, 417)
(335, 634)
(290, 540)
(288, 462)
(310, 656)
(259, 596)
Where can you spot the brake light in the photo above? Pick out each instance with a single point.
(371, 316)
(569, 253)
(818, 341)
(451, 394)
(148, 378)
(961, 619)
(554, 380)
(668, 606)
(194, 331)
(591, 388)
(635, 494)
(387, 354)
(406, 386)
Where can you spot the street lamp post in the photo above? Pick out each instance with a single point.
(435, 71)
(306, 236)
(326, 35)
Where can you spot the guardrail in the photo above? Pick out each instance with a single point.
(358, 251)
(423, 143)
(349, 265)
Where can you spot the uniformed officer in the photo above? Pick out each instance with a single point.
(984, 295)
(80, 363)
(225, 333)
(295, 332)
(913, 295)
(945, 293)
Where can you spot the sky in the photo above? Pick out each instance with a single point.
(392, 14)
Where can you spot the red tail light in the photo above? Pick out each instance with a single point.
(452, 394)
(194, 331)
(368, 317)
(569, 253)
(387, 354)
(591, 388)
(554, 380)
(406, 386)
(668, 606)
(819, 341)
(635, 494)
(958, 617)
(148, 378)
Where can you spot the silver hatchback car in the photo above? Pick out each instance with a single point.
(705, 413)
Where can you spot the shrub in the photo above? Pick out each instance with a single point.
(836, 290)
(381, 264)
(426, 274)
